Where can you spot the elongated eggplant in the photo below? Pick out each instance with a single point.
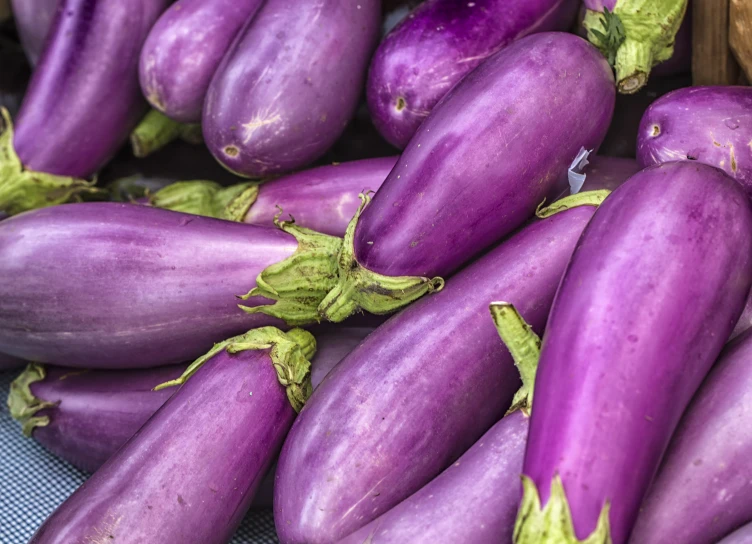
(653, 290)
(127, 286)
(740, 536)
(82, 103)
(33, 20)
(471, 175)
(703, 491)
(323, 199)
(439, 43)
(183, 51)
(289, 84)
(712, 125)
(190, 473)
(634, 35)
(385, 422)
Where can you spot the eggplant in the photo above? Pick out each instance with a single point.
(323, 199)
(183, 50)
(471, 175)
(702, 491)
(438, 44)
(190, 473)
(600, 173)
(712, 125)
(654, 288)
(124, 286)
(740, 536)
(33, 20)
(82, 103)
(634, 35)
(417, 393)
(289, 84)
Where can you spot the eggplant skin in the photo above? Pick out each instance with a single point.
(655, 286)
(439, 43)
(702, 491)
(289, 84)
(84, 98)
(740, 536)
(127, 286)
(33, 19)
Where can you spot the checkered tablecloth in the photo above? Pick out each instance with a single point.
(33, 482)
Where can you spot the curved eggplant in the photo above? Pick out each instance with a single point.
(439, 43)
(289, 84)
(33, 20)
(740, 536)
(183, 51)
(139, 286)
(653, 290)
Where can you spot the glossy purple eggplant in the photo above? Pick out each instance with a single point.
(439, 43)
(419, 391)
(127, 286)
(190, 473)
(289, 84)
(653, 290)
(82, 103)
(740, 536)
(712, 125)
(476, 170)
(33, 20)
(703, 490)
(183, 51)
(474, 500)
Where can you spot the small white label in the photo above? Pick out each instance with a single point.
(574, 174)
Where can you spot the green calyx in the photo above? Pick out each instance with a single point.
(553, 524)
(299, 283)
(638, 35)
(524, 346)
(290, 353)
(156, 130)
(22, 403)
(358, 288)
(586, 198)
(207, 198)
(22, 189)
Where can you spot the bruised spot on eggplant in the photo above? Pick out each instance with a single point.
(231, 151)
(656, 130)
(401, 104)
(733, 160)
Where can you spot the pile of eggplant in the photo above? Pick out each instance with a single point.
(405, 272)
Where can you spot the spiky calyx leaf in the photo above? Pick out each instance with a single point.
(22, 189)
(553, 524)
(207, 198)
(358, 288)
(609, 37)
(586, 198)
(22, 403)
(290, 353)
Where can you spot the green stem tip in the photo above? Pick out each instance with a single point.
(586, 198)
(207, 198)
(156, 130)
(22, 403)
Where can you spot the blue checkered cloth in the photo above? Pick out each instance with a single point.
(33, 482)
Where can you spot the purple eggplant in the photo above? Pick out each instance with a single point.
(8, 362)
(323, 199)
(33, 20)
(130, 286)
(183, 50)
(634, 35)
(82, 103)
(653, 290)
(471, 175)
(712, 125)
(703, 491)
(191, 471)
(289, 84)
(740, 536)
(439, 43)
(600, 173)
(384, 422)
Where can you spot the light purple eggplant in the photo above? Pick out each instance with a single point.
(474, 500)
(289, 84)
(471, 175)
(33, 20)
(740, 536)
(653, 290)
(703, 490)
(191, 471)
(8, 362)
(323, 199)
(183, 51)
(634, 35)
(82, 102)
(712, 125)
(417, 393)
(127, 286)
(439, 43)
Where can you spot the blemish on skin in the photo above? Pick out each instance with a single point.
(231, 151)
(656, 130)
(258, 121)
(400, 104)
(733, 160)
